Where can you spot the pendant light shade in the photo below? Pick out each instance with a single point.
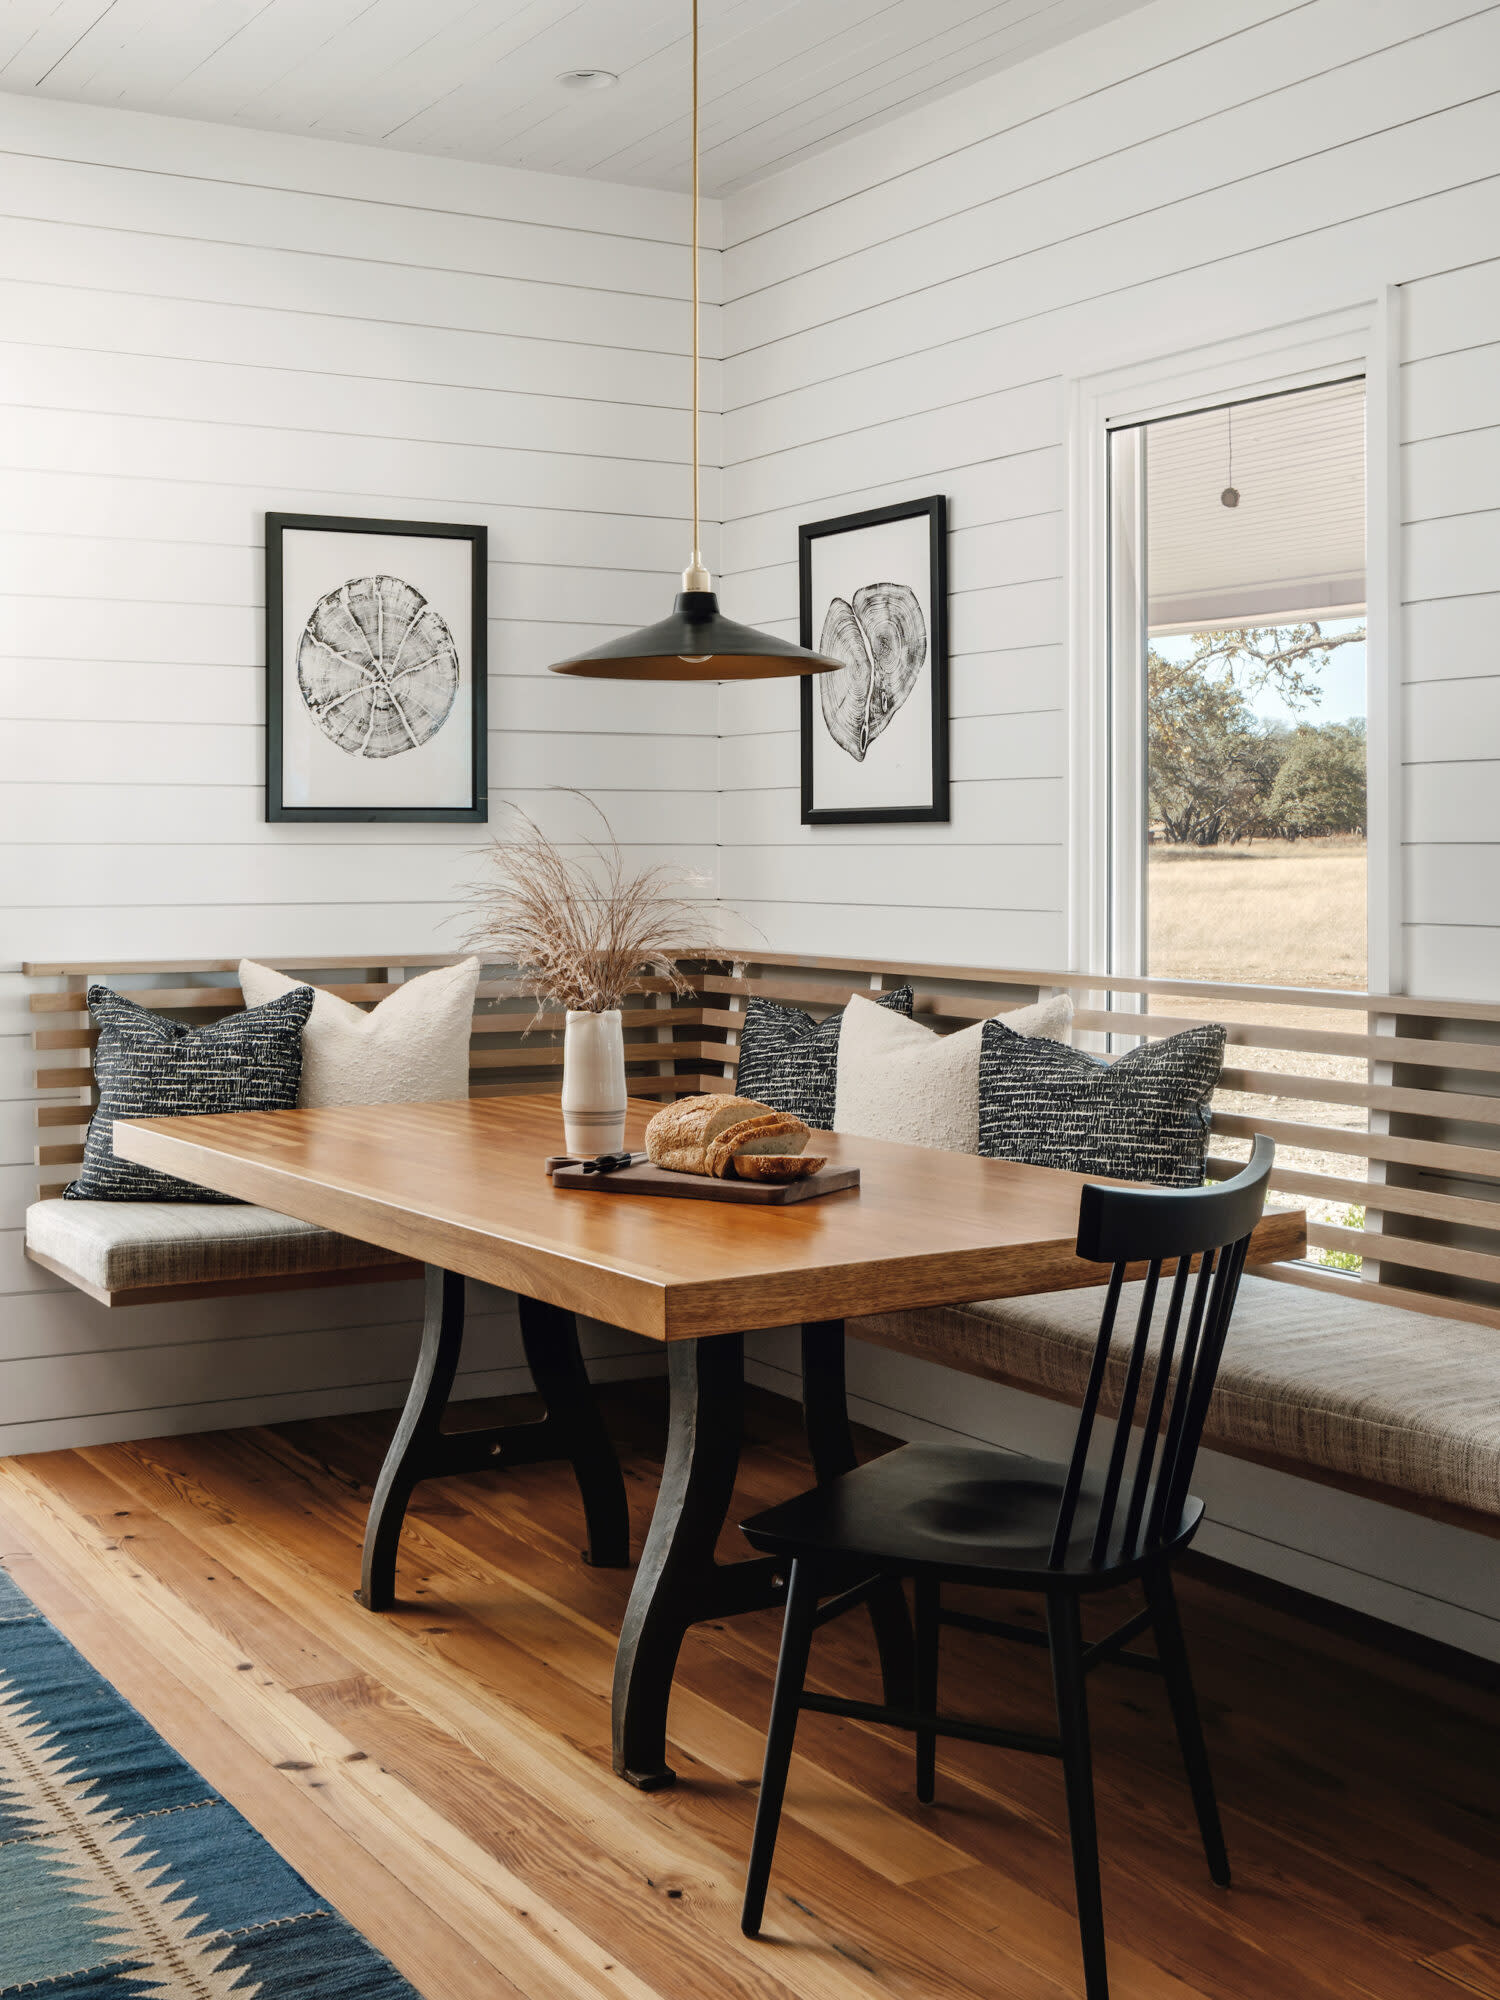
(697, 643)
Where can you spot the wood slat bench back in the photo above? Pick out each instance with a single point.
(1423, 1161)
(1422, 1077)
(512, 1047)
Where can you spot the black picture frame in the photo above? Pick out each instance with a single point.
(476, 809)
(935, 507)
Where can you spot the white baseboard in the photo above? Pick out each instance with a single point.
(1422, 1575)
(287, 1406)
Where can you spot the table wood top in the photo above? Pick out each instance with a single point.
(460, 1184)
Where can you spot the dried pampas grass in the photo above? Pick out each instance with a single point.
(582, 929)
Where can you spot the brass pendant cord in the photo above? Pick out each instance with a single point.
(697, 643)
(696, 576)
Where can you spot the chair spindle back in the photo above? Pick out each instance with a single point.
(1158, 1227)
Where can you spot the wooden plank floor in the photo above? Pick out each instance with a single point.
(442, 1772)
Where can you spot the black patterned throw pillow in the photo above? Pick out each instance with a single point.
(1143, 1117)
(147, 1066)
(791, 1062)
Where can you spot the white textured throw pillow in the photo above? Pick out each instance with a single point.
(411, 1049)
(900, 1080)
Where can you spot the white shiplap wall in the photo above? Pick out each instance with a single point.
(1450, 420)
(901, 316)
(198, 324)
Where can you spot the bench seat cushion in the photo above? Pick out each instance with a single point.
(118, 1245)
(1374, 1392)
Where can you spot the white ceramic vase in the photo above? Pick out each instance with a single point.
(593, 1089)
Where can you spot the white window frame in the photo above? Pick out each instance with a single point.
(1104, 806)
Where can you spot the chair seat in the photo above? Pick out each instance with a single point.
(1407, 1400)
(120, 1245)
(952, 1511)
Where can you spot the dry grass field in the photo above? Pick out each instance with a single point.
(1278, 912)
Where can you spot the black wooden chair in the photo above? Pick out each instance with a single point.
(966, 1514)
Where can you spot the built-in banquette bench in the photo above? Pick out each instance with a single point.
(1382, 1377)
(152, 1253)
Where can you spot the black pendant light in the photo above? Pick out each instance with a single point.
(697, 643)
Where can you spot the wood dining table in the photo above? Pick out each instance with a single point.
(459, 1187)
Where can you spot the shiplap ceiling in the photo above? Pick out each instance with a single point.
(1295, 543)
(476, 79)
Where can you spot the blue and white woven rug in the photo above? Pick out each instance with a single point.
(123, 1876)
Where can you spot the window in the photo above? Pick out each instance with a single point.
(1238, 712)
(1238, 588)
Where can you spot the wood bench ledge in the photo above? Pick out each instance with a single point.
(154, 1253)
(224, 1288)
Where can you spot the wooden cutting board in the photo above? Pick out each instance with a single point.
(646, 1179)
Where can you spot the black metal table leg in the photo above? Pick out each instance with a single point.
(825, 1401)
(571, 1429)
(410, 1449)
(830, 1443)
(574, 1429)
(679, 1582)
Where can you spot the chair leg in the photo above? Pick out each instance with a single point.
(1065, 1638)
(1172, 1650)
(791, 1672)
(928, 1605)
(830, 1443)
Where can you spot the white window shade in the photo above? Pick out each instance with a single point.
(1293, 548)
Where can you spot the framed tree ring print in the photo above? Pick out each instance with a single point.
(375, 669)
(874, 594)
